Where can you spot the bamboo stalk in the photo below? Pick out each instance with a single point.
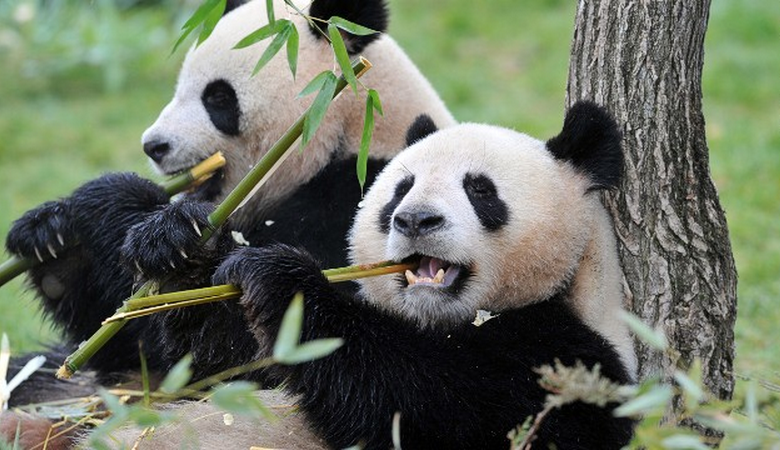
(256, 177)
(15, 265)
(152, 304)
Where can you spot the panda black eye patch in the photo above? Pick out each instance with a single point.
(401, 189)
(491, 211)
(221, 103)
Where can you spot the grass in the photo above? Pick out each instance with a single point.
(505, 62)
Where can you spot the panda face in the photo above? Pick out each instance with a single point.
(219, 106)
(489, 217)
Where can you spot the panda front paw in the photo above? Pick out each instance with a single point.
(168, 243)
(269, 278)
(43, 232)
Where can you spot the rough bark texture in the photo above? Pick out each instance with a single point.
(643, 59)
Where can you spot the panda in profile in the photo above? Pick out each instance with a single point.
(494, 220)
(219, 105)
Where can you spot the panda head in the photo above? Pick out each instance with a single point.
(219, 106)
(493, 219)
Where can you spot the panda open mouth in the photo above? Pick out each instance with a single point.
(435, 272)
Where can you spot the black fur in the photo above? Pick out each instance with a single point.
(422, 126)
(369, 13)
(220, 100)
(122, 214)
(85, 283)
(401, 189)
(457, 387)
(590, 140)
(230, 5)
(491, 211)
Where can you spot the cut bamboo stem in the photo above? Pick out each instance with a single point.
(16, 266)
(256, 177)
(144, 306)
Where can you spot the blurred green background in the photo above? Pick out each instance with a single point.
(80, 81)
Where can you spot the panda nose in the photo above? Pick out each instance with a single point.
(156, 150)
(417, 224)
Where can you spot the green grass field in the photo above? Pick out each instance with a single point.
(77, 93)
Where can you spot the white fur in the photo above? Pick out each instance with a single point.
(557, 232)
(269, 104)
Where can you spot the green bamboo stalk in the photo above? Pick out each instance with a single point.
(13, 267)
(233, 201)
(152, 304)
(16, 266)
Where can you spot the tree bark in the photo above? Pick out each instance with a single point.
(643, 60)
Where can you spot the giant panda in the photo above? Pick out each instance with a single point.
(219, 105)
(494, 220)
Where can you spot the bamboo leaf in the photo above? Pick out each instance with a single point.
(292, 49)
(683, 442)
(315, 84)
(342, 57)
(351, 27)
(694, 392)
(239, 398)
(311, 350)
(259, 34)
(211, 22)
(657, 397)
(290, 329)
(273, 48)
(365, 142)
(178, 376)
(269, 10)
(377, 102)
(653, 338)
(198, 17)
(318, 108)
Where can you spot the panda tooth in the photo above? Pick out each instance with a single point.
(410, 277)
(439, 278)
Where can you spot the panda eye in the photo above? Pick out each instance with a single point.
(219, 95)
(218, 99)
(479, 186)
(403, 187)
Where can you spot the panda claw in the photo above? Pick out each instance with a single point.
(51, 251)
(183, 254)
(38, 254)
(60, 239)
(197, 229)
(173, 266)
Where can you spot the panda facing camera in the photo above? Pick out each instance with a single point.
(495, 220)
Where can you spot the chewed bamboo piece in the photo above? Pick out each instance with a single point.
(144, 306)
(16, 266)
(232, 202)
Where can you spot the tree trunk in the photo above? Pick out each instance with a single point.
(643, 61)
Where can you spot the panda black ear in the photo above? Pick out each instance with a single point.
(422, 126)
(369, 13)
(590, 141)
(230, 5)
